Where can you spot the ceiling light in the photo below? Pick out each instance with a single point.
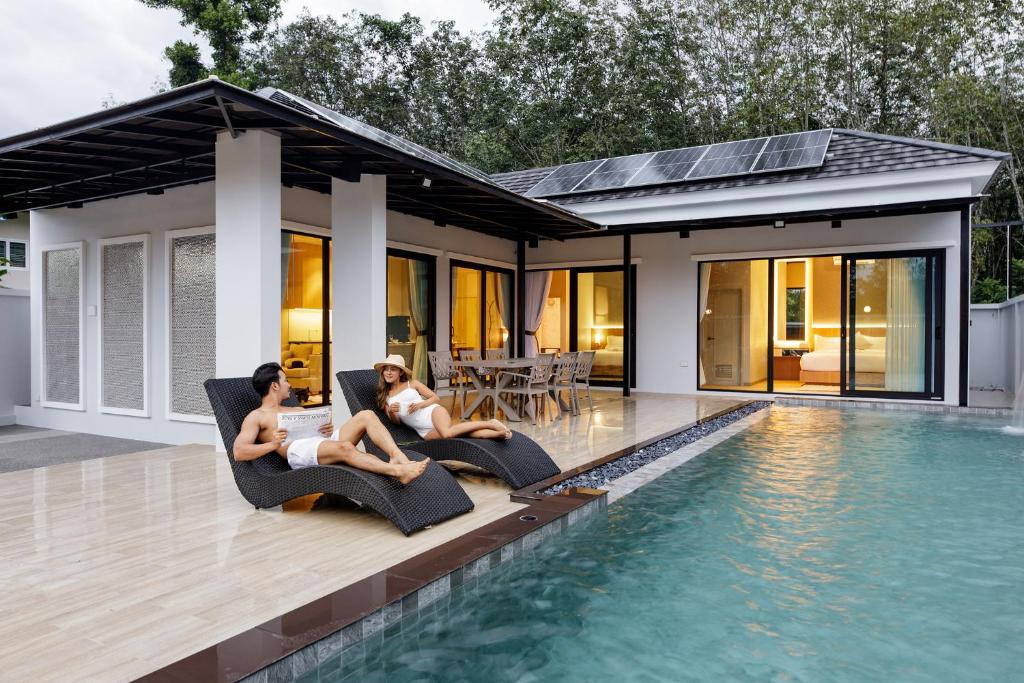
(426, 182)
(779, 224)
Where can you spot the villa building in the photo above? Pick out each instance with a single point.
(208, 229)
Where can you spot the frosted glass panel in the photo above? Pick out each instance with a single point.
(193, 322)
(123, 325)
(61, 329)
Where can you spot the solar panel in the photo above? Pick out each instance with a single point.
(614, 172)
(796, 150)
(668, 166)
(564, 178)
(376, 134)
(728, 158)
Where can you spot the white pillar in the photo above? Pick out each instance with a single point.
(359, 276)
(248, 214)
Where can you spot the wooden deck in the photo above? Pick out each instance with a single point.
(118, 566)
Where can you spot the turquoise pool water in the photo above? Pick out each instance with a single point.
(819, 545)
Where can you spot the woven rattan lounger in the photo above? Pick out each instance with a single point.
(432, 497)
(520, 461)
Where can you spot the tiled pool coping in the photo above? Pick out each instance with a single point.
(319, 634)
(900, 406)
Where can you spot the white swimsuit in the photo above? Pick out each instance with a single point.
(420, 420)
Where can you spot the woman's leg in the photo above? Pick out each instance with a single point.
(444, 429)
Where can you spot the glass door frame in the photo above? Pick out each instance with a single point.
(325, 308)
(630, 325)
(935, 318)
(431, 262)
(484, 268)
(935, 307)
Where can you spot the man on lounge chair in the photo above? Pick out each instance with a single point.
(260, 435)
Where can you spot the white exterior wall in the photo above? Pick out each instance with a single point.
(14, 352)
(666, 335)
(18, 229)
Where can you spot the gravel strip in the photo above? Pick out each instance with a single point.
(600, 476)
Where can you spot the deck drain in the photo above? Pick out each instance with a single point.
(528, 518)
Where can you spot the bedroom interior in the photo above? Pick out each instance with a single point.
(890, 316)
(303, 329)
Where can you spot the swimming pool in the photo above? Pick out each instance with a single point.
(840, 545)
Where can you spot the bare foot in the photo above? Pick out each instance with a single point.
(410, 470)
(399, 458)
(499, 426)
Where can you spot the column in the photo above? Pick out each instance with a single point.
(248, 215)
(359, 276)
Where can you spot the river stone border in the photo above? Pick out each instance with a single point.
(600, 476)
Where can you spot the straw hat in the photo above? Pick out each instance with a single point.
(394, 359)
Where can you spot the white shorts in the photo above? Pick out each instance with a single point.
(302, 452)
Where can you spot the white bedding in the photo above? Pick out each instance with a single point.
(868, 360)
(606, 357)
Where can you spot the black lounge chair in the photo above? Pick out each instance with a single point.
(432, 497)
(520, 461)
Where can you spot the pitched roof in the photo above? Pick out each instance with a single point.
(850, 153)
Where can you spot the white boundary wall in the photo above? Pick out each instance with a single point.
(666, 335)
(997, 345)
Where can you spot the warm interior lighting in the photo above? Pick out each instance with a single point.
(867, 309)
(305, 324)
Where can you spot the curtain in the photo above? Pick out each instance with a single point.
(503, 292)
(705, 286)
(538, 283)
(286, 252)
(419, 307)
(905, 328)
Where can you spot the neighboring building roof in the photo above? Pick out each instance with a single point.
(850, 153)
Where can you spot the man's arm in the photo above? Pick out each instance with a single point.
(246, 447)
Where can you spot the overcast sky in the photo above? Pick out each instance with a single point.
(62, 58)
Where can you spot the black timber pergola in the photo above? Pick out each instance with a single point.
(168, 140)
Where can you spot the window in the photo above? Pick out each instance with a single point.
(410, 297)
(16, 253)
(123, 313)
(62, 326)
(482, 309)
(306, 315)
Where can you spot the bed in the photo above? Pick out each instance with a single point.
(821, 366)
(608, 361)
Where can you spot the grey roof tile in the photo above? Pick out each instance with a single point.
(850, 153)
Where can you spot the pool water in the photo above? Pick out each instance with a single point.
(819, 545)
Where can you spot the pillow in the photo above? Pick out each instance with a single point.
(614, 342)
(877, 343)
(826, 343)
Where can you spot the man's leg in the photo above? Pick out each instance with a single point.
(367, 422)
(344, 453)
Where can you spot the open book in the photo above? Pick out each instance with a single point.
(305, 424)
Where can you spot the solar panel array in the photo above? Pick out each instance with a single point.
(741, 157)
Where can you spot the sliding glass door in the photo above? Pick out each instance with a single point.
(856, 324)
(410, 301)
(483, 308)
(891, 337)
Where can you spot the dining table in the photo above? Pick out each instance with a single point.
(490, 378)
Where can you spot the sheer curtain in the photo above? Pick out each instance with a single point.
(419, 316)
(538, 283)
(705, 286)
(905, 328)
(503, 291)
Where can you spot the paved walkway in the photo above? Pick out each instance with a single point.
(24, 448)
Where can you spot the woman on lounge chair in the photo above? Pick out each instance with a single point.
(408, 401)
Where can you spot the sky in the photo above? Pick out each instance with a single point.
(63, 58)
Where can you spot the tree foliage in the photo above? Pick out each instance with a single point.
(555, 81)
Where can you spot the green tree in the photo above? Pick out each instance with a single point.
(228, 26)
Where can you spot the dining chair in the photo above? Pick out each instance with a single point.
(584, 366)
(562, 375)
(532, 385)
(442, 365)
